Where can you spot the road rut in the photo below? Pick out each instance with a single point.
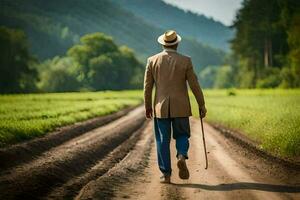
(232, 174)
(118, 161)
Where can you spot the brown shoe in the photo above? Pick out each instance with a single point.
(183, 170)
(165, 179)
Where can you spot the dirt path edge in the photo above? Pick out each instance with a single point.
(253, 146)
(23, 152)
(131, 166)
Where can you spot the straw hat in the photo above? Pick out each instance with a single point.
(169, 38)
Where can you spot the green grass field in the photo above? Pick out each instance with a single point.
(271, 117)
(24, 117)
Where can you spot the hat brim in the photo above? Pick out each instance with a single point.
(161, 40)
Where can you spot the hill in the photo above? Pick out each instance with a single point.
(54, 26)
(163, 15)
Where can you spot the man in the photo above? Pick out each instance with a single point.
(170, 71)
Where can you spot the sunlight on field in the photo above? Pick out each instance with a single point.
(26, 116)
(271, 117)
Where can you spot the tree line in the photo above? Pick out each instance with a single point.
(266, 46)
(189, 24)
(265, 49)
(58, 25)
(96, 63)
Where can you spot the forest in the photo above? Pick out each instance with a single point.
(59, 24)
(50, 29)
(266, 47)
(96, 63)
(68, 45)
(166, 16)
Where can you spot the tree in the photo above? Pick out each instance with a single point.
(294, 54)
(59, 75)
(207, 76)
(224, 77)
(264, 32)
(17, 72)
(104, 65)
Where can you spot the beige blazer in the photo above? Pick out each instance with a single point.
(170, 71)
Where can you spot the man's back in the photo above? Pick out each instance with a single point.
(169, 71)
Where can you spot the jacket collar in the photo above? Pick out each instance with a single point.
(169, 50)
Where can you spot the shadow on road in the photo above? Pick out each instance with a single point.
(243, 186)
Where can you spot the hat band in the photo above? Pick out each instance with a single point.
(171, 40)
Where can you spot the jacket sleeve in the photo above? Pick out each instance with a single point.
(194, 84)
(148, 85)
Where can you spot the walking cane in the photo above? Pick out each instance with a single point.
(206, 160)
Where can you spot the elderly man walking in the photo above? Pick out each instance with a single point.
(170, 71)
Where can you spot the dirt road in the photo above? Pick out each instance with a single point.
(233, 174)
(118, 161)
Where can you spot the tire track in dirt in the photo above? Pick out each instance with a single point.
(118, 161)
(36, 178)
(70, 189)
(230, 175)
(30, 150)
(105, 186)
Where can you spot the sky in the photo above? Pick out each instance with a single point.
(220, 10)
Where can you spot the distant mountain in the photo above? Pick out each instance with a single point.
(53, 26)
(166, 16)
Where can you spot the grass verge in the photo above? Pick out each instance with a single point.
(270, 117)
(25, 116)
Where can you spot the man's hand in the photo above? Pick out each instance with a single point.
(202, 111)
(149, 113)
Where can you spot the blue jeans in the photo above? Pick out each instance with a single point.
(181, 133)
